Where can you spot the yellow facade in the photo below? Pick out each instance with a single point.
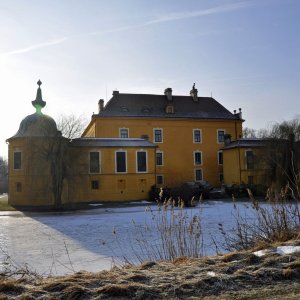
(30, 182)
(134, 143)
(112, 186)
(238, 171)
(177, 144)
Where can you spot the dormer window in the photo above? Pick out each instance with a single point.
(124, 109)
(146, 109)
(170, 109)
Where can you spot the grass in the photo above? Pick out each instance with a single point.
(4, 206)
(236, 276)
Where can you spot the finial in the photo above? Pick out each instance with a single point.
(39, 103)
(193, 86)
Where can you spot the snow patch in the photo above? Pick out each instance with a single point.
(140, 202)
(279, 250)
(287, 249)
(211, 274)
(262, 252)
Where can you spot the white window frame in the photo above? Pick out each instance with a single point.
(136, 159)
(195, 174)
(162, 135)
(194, 155)
(220, 164)
(122, 128)
(197, 129)
(162, 158)
(220, 129)
(90, 161)
(126, 166)
(163, 179)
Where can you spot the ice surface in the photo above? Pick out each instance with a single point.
(93, 240)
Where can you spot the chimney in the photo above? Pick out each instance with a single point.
(115, 93)
(194, 93)
(168, 94)
(240, 113)
(101, 105)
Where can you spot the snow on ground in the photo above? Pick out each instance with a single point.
(60, 243)
(279, 250)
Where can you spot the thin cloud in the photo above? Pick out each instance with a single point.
(199, 13)
(36, 46)
(161, 19)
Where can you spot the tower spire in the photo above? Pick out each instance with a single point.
(38, 103)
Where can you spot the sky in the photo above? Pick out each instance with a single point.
(245, 53)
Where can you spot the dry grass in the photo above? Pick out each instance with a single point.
(238, 275)
(4, 206)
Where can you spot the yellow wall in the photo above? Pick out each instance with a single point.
(33, 176)
(112, 186)
(235, 167)
(177, 146)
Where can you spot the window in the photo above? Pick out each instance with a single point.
(18, 187)
(198, 175)
(159, 159)
(220, 157)
(94, 162)
(159, 179)
(121, 162)
(94, 184)
(124, 133)
(249, 160)
(141, 161)
(197, 157)
(17, 160)
(221, 134)
(221, 177)
(158, 135)
(170, 109)
(197, 135)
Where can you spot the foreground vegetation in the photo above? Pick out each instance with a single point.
(4, 206)
(238, 275)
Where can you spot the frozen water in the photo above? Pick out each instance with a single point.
(61, 243)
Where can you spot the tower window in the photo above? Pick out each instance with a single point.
(17, 160)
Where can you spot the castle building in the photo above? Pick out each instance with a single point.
(134, 142)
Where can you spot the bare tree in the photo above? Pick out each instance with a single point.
(282, 155)
(53, 154)
(71, 126)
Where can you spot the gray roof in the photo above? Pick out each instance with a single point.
(37, 125)
(111, 142)
(246, 143)
(146, 105)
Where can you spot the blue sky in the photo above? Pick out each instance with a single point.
(245, 53)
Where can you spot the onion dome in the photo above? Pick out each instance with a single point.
(38, 124)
